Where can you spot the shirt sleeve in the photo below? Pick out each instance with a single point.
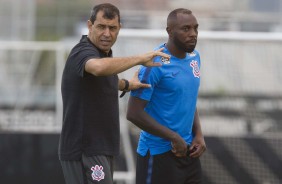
(147, 75)
(81, 56)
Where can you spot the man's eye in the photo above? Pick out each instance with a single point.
(101, 27)
(113, 28)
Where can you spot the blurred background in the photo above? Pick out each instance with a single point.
(240, 100)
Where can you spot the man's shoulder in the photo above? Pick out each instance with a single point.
(85, 46)
(162, 45)
(84, 43)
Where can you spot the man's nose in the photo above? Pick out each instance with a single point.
(107, 32)
(193, 33)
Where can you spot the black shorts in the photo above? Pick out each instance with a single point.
(89, 170)
(166, 168)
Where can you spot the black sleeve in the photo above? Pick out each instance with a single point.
(81, 56)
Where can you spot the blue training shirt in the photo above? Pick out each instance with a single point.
(171, 99)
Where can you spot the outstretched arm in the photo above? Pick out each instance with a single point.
(110, 66)
(198, 145)
(137, 115)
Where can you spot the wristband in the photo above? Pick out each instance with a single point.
(126, 85)
(125, 89)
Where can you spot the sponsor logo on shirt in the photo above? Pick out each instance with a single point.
(174, 73)
(98, 173)
(165, 60)
(192, 54)
(196, 69)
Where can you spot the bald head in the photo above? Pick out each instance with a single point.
(172, 17)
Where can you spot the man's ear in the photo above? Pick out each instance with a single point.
(120, 25)
(168, 30)
(89, 24)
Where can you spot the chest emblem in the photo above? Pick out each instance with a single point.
(98, 173)
(196, 69)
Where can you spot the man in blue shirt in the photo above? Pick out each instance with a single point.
(171, 139)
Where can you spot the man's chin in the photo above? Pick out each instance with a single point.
(190, 50)
(105, 48)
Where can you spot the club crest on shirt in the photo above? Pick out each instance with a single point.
(165, 60)
(98, 173)
(196, 69)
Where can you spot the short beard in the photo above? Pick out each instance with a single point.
(181, 46)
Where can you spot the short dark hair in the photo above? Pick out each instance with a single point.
(173, 14)
(110, 11)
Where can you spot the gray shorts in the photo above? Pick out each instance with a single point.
(89, 170)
